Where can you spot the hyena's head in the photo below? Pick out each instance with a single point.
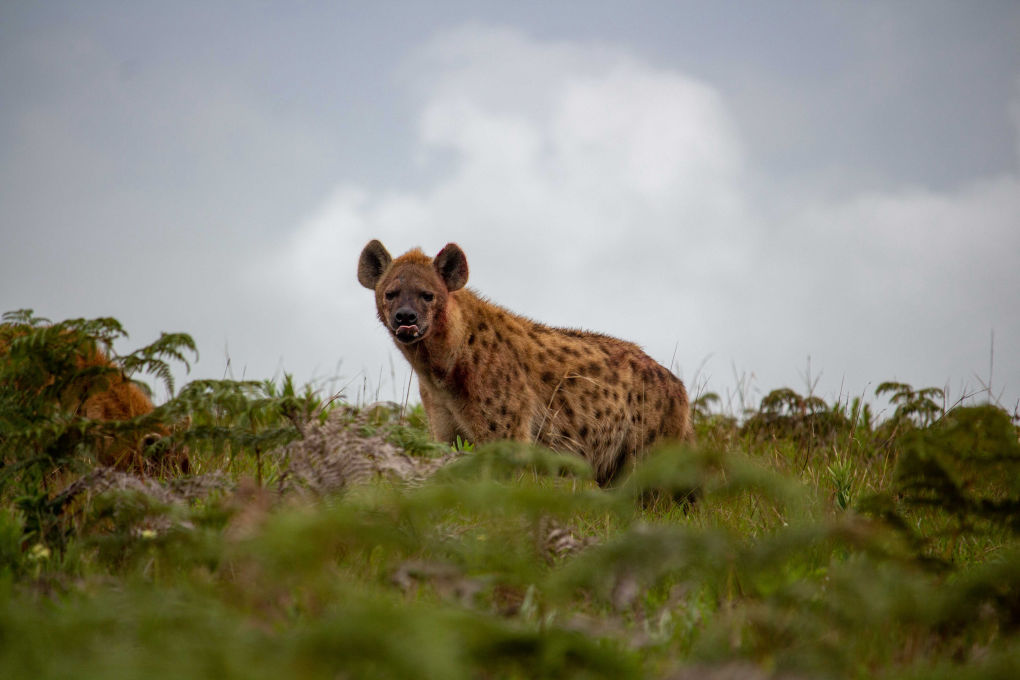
(412, 291)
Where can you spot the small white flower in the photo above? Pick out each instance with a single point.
(38, 553)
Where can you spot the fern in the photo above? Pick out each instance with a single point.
(918, 407)
(153, 358)
(808, 420)
(962, 473)
(823, 541)
(49, 372)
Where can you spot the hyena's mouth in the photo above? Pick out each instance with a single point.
(407, 334)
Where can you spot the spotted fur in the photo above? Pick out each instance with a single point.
(486, 373)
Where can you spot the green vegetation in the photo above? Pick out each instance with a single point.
(314, 538)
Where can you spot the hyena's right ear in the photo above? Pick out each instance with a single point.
(373, 262)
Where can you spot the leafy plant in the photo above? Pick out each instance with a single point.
(842, 477)
(960, 477)
(822, 541)
(917, 407)
(237, 417)
(50, 374)
(808, 420)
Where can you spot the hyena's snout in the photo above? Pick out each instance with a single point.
(406, 325)
(405, 316)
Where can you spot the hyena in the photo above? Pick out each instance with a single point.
(486, 373)
(121, 399)
(113, 396)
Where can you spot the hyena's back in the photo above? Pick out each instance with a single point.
(588, 393)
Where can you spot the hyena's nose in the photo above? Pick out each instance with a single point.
(405, 317)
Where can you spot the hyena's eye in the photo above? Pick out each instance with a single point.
(391, 294)
(428, 297)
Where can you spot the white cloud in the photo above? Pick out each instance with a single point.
(591, 189)
(598, 202)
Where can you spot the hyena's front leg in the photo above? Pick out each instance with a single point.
(442, 425)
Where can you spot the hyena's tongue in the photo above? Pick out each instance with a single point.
(407, 330)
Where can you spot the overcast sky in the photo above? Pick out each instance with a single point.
(736, 186)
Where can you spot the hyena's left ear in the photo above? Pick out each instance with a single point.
(451, 265)
(373, 262)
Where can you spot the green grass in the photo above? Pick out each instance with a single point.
(817, 544)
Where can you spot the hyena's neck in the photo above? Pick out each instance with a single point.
(438, 354)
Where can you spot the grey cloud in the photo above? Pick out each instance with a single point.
(185, 178)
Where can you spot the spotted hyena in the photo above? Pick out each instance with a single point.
(486, 373)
